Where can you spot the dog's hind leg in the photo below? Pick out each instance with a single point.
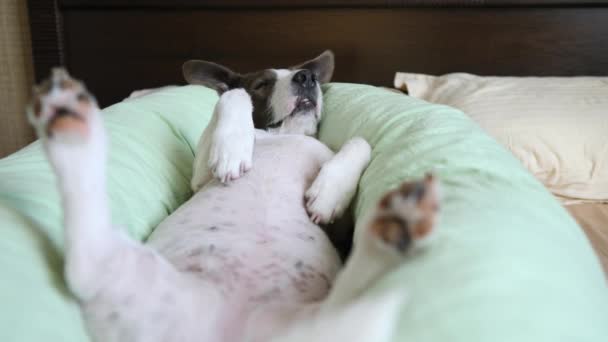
(127, 291)
(69, 124)
(225, 149)
(402, 219)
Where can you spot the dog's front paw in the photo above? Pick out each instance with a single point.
(407, 214)
(231, 151)
(329, 195)
(230, 157)
(335, 186)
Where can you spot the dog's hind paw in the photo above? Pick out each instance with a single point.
(407, 214)
(61, 107)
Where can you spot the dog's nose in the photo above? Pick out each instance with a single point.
(304, 78)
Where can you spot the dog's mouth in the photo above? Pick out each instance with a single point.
(303, 105)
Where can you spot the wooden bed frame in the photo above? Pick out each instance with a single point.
(119, 45)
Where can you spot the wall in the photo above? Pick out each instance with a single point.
(16, 75)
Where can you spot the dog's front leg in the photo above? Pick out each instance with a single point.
(335, 186)
(225, 149)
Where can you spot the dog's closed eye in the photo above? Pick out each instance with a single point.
(261, 85)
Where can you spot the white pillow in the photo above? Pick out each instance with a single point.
(556, 126)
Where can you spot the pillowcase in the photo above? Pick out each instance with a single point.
(556, 126)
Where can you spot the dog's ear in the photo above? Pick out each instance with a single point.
(210, 74)
(322, 66)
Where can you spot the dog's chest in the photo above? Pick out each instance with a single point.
(254, 237)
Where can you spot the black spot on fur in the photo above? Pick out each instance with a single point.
(167, 298)
(128, 300)
(304, 237)
(196, 252)
(113, 316)
(194, 269)
(325, 280)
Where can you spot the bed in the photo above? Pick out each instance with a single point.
(119, 46)
(509, 264)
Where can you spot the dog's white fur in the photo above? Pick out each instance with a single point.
(335, 186)
(368, 319)
(226, 147)
(200, 277)
(283, 102)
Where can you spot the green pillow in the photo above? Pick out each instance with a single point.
(152, 141)
(508, 263)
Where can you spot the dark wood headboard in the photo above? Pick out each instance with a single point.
(118, 46)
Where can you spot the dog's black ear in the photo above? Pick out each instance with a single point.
(212, 75)
(322, 66)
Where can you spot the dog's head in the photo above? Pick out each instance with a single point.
(284, 100)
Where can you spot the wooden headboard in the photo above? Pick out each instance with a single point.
(118, 46)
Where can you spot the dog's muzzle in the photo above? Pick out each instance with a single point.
(305, 79)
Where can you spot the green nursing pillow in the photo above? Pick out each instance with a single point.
(507, 262)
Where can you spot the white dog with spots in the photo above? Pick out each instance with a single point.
(244, 259)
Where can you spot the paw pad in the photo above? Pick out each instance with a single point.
(407, 214)
(61, 104)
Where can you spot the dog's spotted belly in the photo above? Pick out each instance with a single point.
(253, 238)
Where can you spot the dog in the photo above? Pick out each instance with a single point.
(245, 259)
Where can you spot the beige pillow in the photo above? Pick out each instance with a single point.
(556, 126)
